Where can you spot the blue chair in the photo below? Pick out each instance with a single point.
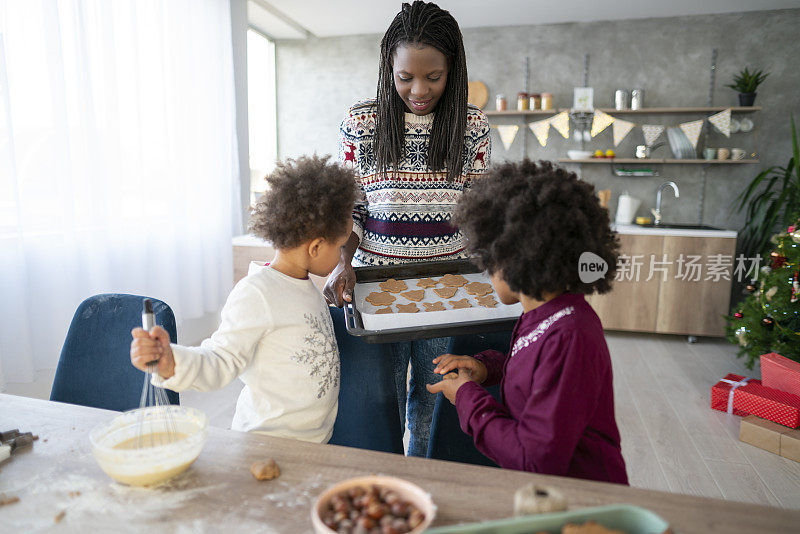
(95, 364)
(447, 440)
(368, 416)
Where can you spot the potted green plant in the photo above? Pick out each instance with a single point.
(772, 201)
(746, 83)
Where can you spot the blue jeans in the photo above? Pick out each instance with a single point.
(418, 405)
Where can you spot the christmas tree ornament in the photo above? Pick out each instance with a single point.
(795, 288)
(750, 288)
(766, 269)
(738, 315)
(768, 323)
(778, 260)
(795, 234)
(771, 293)
(741, 336)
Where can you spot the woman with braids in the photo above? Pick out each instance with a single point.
(415, 148)
(557, 410)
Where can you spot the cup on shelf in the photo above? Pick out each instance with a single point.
(737, 154)
(723, 153)
(709, 153)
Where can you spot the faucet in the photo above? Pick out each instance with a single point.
(657, 211)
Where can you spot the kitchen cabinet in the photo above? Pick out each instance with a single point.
(632, 304)
(673, 282)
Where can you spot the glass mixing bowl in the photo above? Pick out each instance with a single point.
(143, 460)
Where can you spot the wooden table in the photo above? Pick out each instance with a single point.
(219, 494)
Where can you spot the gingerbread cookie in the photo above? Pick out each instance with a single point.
(478, 288)
(385, 310)
(380, 298)
(407, 308)
(458, 304)
(445, 292)
(416, 295)
(434, 306)
(453, 280)
(590, 527)
(426, 283)
(487, 301)
(393, 286)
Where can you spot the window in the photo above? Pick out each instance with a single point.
(261, 110)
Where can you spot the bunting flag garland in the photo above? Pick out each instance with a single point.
(507, 134)
(600, 122)
(561, 123)
(541, 130)
(692, 130)
(722, 122)
(651, 133)
(621, 129)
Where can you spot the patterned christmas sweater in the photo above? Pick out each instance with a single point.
(404, 216)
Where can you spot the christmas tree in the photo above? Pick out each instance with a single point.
(768, 320)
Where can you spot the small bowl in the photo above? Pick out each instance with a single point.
(405, 489)
(147, 465)
(579, 154)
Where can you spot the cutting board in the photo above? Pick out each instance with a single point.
(477, 94)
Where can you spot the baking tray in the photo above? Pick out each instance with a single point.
(423, 325)
(628, 518)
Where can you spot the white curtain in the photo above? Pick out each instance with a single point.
(118, 163)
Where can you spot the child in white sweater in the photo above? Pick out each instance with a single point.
(276, 333)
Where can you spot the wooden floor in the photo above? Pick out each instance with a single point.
(671, 439)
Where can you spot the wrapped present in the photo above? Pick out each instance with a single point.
(771, 437)
(780, 373)
(747, 396)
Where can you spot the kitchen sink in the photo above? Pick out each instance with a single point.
(678, 226)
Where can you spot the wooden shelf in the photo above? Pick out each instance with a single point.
(515, 113)
(612, 111)
(715, 109)
(655, 161)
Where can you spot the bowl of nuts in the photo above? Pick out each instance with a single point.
(373, 504)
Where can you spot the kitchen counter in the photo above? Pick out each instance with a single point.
(635, 229)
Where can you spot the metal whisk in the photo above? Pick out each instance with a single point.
(156, 426)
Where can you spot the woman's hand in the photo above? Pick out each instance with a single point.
(474, 368)
(153, 346)
(449, 386)
(339, 286)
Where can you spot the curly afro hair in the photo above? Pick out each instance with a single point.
(306, 198)
(532, 222)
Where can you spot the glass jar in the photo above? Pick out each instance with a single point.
(522, 102)
(547, 101)
(535, 101)
(500, 103)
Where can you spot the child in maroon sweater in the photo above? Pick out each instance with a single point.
(528, 225)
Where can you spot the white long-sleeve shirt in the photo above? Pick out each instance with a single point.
(277, 336)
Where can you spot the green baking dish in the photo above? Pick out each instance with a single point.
(625, 517)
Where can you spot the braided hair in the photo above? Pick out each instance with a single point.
(423, 23)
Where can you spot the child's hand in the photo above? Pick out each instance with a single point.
(147, 347)
(447, 362)
(449, 386)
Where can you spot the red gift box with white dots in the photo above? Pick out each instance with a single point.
(781, 373)
(755, 399)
